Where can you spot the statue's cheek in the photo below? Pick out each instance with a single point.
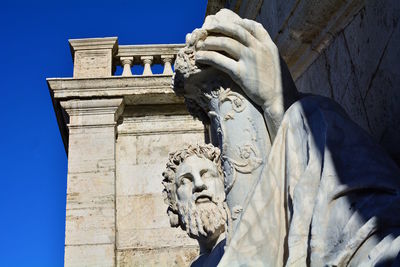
(184, 193)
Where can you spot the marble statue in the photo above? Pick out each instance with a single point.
(195, 193)
(305, 186)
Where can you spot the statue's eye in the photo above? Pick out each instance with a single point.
(185, 180)
(204, 173)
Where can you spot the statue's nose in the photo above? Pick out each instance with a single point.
(198, 185)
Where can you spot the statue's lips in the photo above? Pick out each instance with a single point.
(203, 198)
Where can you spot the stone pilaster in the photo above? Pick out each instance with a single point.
(90, 215)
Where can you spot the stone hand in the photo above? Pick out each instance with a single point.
(244, 50)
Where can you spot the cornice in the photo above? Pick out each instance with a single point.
(116, 86)
(149, 50)
(93, 106)
(93, 44)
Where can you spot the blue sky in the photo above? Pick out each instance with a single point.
(33, 163)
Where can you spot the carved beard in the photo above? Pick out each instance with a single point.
(204, 219)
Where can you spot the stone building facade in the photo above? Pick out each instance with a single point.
(118, 130)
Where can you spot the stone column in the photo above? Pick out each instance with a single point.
(90, 214)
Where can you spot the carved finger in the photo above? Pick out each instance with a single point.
(233, 30)
(218, 61)
(227, 14)
(221, 43)
(255, 29)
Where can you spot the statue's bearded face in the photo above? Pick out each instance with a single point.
(200, 197)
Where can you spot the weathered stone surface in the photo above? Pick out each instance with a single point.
(149, 207)
(360, 70)
(176, 257)
(93, 57)
(101, 255)
(139, 179)
(142, 222)
(101, 147)
(90, 225)
(152, 148)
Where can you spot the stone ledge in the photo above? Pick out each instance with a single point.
(116, 86)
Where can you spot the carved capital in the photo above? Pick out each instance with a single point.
(93, 113)
(126, 60)
(167, 58)
(146, 59)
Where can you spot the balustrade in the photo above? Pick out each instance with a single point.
(99, 57)
(129, 56)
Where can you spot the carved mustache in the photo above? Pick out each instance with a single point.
(203, 195)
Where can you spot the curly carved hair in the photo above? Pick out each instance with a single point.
(185, 66)
(207, 151)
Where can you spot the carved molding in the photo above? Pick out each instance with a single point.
(150, 125)
(112, 87)
(93, 113)
(93, 44)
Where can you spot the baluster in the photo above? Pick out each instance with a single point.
(147, 60)
(167, 60)
(127, 64)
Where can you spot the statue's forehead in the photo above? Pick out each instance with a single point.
(194, 164)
